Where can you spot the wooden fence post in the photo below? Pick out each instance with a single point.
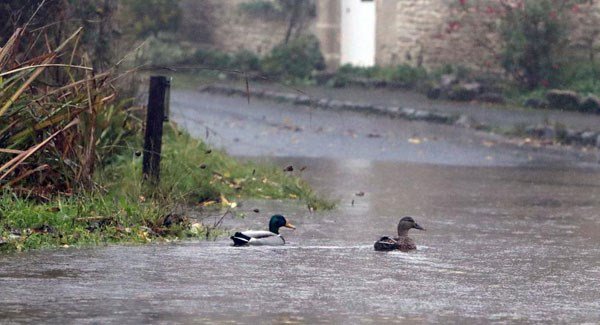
(159, 85)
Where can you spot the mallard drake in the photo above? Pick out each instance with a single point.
(263, 237)
(402, 242)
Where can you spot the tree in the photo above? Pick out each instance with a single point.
(298, 13)
(149, 17)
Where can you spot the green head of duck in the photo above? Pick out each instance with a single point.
(278, 221)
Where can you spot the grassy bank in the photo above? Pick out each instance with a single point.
(123, 210)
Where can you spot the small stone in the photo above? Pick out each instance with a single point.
(563, 99)
(407, 112)
(541, 131)
(464, 92)
(393, 110)
(324, 103)
(269, 94)
(302, 100)
(570, 136)
(465, 121)
(422, 115)
(588, 138)
(534, 103)
(448, 80)
(434, 92)
(489, 97)
(335, 104)
(379, 109)
(590, 104)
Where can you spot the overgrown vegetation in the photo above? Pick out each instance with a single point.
(402, 74)
(149, 17)
(123, 209)
(540, 44)
(295, 60)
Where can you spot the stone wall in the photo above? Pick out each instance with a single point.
(328, 29)
(417, 32)
(433, 33)
(233, 29)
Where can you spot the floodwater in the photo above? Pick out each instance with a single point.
(502, 244)
(510, 242)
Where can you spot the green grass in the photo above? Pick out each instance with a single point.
(124, 210)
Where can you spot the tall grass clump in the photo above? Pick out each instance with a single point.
(59, 118)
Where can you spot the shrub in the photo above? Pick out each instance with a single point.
(527, 38)
(408, 75)
(212, 59)
(403, 73)
(533, 39)
(296, 60)
(246, 61)
(163, 53)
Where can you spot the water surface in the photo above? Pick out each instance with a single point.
(516, 244)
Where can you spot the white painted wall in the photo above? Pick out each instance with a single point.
(358, 32)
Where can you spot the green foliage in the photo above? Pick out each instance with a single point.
(93, 220)
(149, 17)
(243, 60)
(403, 73)
(581, 76)
(157, 51)
(192, 172)
(127, 211)
(212, 59)
(534, 38)
(57, 132)
(295, 60)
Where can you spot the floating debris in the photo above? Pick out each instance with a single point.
(289, 169)
(256, 210)
(361, 193)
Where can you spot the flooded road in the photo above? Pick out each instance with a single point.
(510, 239)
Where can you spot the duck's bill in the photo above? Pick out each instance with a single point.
(418, 227)
(289, 225)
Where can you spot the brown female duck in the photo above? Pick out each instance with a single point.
(402, 242)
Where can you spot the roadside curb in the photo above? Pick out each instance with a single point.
(334, 104)
(555, 133)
